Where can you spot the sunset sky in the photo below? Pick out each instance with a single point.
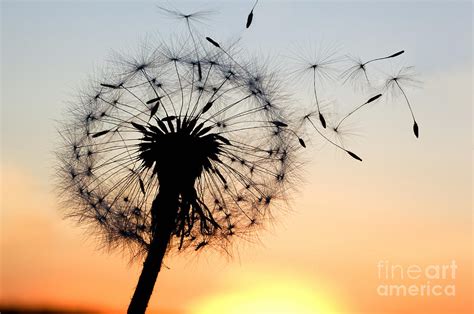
(409, 203)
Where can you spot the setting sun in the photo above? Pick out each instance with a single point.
(280, 297)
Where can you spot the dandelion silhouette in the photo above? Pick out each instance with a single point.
(179, 149)
(186, 147)
(323, 68)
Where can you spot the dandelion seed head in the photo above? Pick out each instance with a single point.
(184, 117)
(404, 76)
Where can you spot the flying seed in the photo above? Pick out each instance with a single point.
(373, 98)
(415, 129)
(353, 155)
(153, 100)
(213, 42)
(109, 86)
(323, 121)
(396, 54)
(249, 19)
(302, 142)
(280, 124)
(100, 133)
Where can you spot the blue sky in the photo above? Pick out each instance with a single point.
(49, 48)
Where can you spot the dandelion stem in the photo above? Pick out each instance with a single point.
(180, 87)
(415, 124)
(314, 88)
(366, 76)
(406, 98)
(320, 115)
(164, 210)
(256, 2)
(195, 48)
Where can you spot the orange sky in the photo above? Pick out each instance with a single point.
(315, 260)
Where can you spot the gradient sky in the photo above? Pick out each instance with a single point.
(409, 202)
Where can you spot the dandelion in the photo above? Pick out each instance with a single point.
(359, 68)
(187, 146)
(320, 67)
(180, 149)
(396, 83)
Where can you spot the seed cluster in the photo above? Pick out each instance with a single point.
(178, 111)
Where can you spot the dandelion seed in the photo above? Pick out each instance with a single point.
(322, 120)
(302, 142)
(153, 100)
(405, 76)
(109, 86)
(142, 185)
(359, 68)
(199, 70)
(212, 42)
(415, 128)
(200, 245)
(197, 16)
(154, 109)
(320, 65)
(356, 72)
(249, 19)
(207, 107)
(383, 58)
(353, 155)
(250, 16)
(168, 118)
(280, 124)
(357, 109)
(138, 127)
(100, 133)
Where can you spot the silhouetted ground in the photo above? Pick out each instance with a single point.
(52, 310)
(43, 310)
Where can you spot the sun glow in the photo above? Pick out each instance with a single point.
(270, 297)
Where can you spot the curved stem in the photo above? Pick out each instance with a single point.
(349, 114)
(333, 143)
(388, 57)
(314, 88)
(408, 102)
